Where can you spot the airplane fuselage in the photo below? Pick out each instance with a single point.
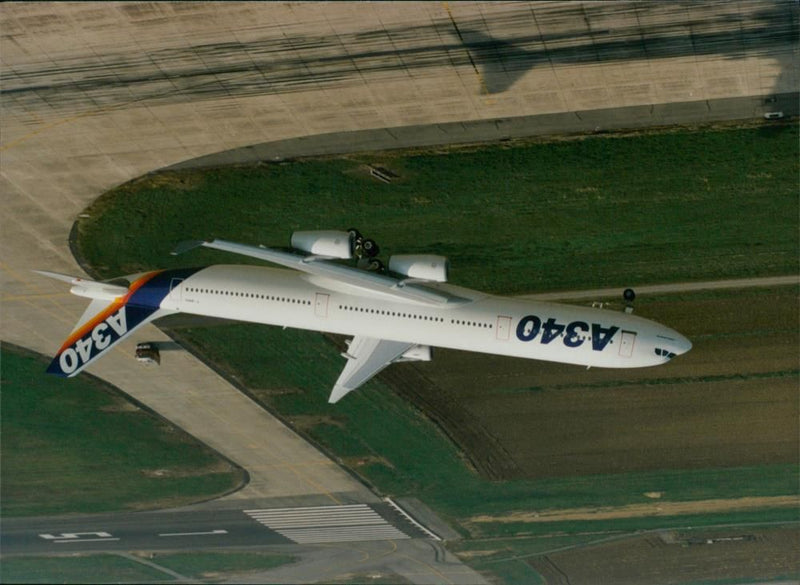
(474, 321)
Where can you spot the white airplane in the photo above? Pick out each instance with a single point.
(392, 316)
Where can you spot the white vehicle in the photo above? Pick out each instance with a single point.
(394, 315)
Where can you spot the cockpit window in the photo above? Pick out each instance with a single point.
(665, 353)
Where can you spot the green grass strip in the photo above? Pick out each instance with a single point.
(78, 446)
(207, 565)
(96, 568)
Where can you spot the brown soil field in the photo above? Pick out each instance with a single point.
(733, 400)
(701, 556)
(642, 510)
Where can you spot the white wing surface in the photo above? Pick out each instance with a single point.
(366, 356)
(320, 266)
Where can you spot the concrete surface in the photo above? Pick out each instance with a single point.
(677, 287)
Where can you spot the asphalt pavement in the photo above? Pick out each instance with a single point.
(197, 528)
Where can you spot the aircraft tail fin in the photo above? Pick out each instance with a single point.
(93, 309)
(114, 313)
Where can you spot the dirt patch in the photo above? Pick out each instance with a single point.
(643, 510)
(356, 462)
(476, 554)
(120, 407)
(218, 467)
(179, 180)
(307, 422)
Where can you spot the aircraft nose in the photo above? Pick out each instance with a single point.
(682, 345)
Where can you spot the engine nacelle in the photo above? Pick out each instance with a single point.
(324, 243)
(421, 266)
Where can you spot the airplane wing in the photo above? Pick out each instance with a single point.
(366, 356)
(339, 272)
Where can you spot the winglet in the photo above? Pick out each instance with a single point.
(84, 287)
(187, 245)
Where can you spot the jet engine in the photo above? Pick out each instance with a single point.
(421, 266)
(333, 244)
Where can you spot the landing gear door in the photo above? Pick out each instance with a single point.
(628, 341)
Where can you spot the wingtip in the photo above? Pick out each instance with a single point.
(57, 276)
(338, 393)
(186, 246)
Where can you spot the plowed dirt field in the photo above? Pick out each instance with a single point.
(731, 401)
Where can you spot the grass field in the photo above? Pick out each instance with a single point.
(722, 203)
(81, 447)
(744, 555)
(732, 400)
(523, 218)
(716, 556)
(718, 423)
(736, 434)
(114, 568)
(98, 568)
(214, 566)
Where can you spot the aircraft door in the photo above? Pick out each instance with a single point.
(503, 328)
(321, 305)
(627, 343)
(175, 289)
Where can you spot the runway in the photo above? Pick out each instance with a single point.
(189, 529)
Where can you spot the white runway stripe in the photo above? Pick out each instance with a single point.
(311, 509)
(330, 522)
(342, 534)
(327, 523)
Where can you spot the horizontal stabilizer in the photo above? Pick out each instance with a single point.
(58, 276)
(90, 289)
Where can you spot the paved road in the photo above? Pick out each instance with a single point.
(331, 541)
(678, 287)
(187, 529)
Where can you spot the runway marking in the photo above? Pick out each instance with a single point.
(76, 537)
(405, 514)
(354, 522)
(194, 533)
(84, 540)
